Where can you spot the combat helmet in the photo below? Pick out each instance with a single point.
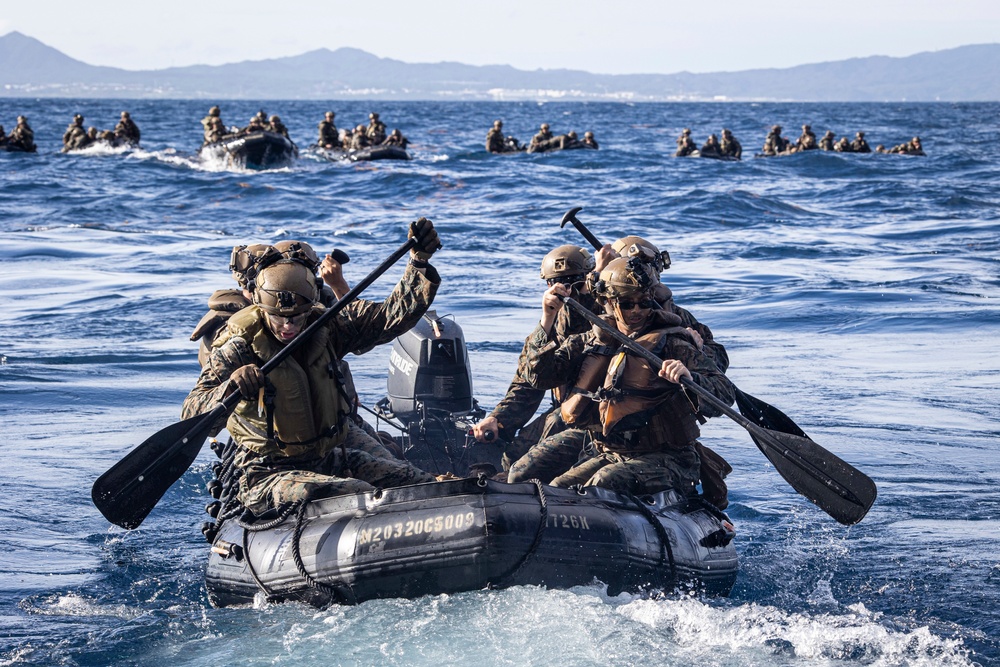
(299, 251)
(286, 288)
(248, 260)
(214, 111)
(626, 277)
(566, 264)
(544, 127)
(636, 246)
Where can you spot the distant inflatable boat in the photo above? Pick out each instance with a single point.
(471, 534)
(364, 154)
(256, 150)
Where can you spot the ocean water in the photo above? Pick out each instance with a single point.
(858, 293)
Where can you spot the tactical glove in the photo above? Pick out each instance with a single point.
(427, 239)
(248, 380)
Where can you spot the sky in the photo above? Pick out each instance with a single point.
(600, 36)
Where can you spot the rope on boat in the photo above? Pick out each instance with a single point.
(543, 520)
(333, 593)
(666, 551)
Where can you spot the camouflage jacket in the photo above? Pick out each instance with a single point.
(328, 135)
(495, 142)
(522, 400)
(358, 328)
(553, 364)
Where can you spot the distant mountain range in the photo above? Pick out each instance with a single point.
(29, 68)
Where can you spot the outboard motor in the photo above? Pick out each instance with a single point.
(430, 393)
(429, 371)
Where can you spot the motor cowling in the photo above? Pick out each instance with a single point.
(429, 370)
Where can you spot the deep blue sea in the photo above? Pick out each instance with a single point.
(858, 293)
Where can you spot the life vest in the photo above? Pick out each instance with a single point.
(639, 410)
(578, 405)
(309, 404)
(222, 304)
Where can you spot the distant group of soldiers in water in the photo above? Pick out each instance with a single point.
(544, 140)
(22, 137)
(374, 134)
(775, 144)
(126, 132)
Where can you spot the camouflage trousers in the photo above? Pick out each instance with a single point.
(544, 425)
(360, 464)
(645, 473)
(551, 457)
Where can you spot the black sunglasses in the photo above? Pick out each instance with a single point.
(565, 280)
(626, 304)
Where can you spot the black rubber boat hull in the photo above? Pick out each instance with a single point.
(365, 154)
(471, 534)
(257, 150)
(14, 148)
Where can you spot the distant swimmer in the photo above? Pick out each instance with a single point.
(806, 140)
(588, 139)
(828, 140)
(126, 130)
(75, 136)
(774, 143)
(396, 138)
(729, 146)
(859, 145)
(685, 144)
(328, 135)
(375, 130)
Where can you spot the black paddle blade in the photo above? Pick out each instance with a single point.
(766, 415)
(129, 490)
(835, 486)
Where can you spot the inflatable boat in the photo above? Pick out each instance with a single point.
(256, 150)
(471, 534)
(463, 534)
(363, 154)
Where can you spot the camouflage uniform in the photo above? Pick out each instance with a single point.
(807, 140)
(729, 146)
(127, 130)
(396, 138)
(774, 143)
(711, 147)
(495, 140)
(637, 459)
(74, 136)
(275, 125)
(826, 143)
(859, 145)
(375, 131)
(516, 408)
(541, 142)
(276, 472)
(359, 139)
(328, 135)
(685, 144)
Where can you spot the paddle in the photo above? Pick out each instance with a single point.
(129, 490)
(753, 408)
(835, 486)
